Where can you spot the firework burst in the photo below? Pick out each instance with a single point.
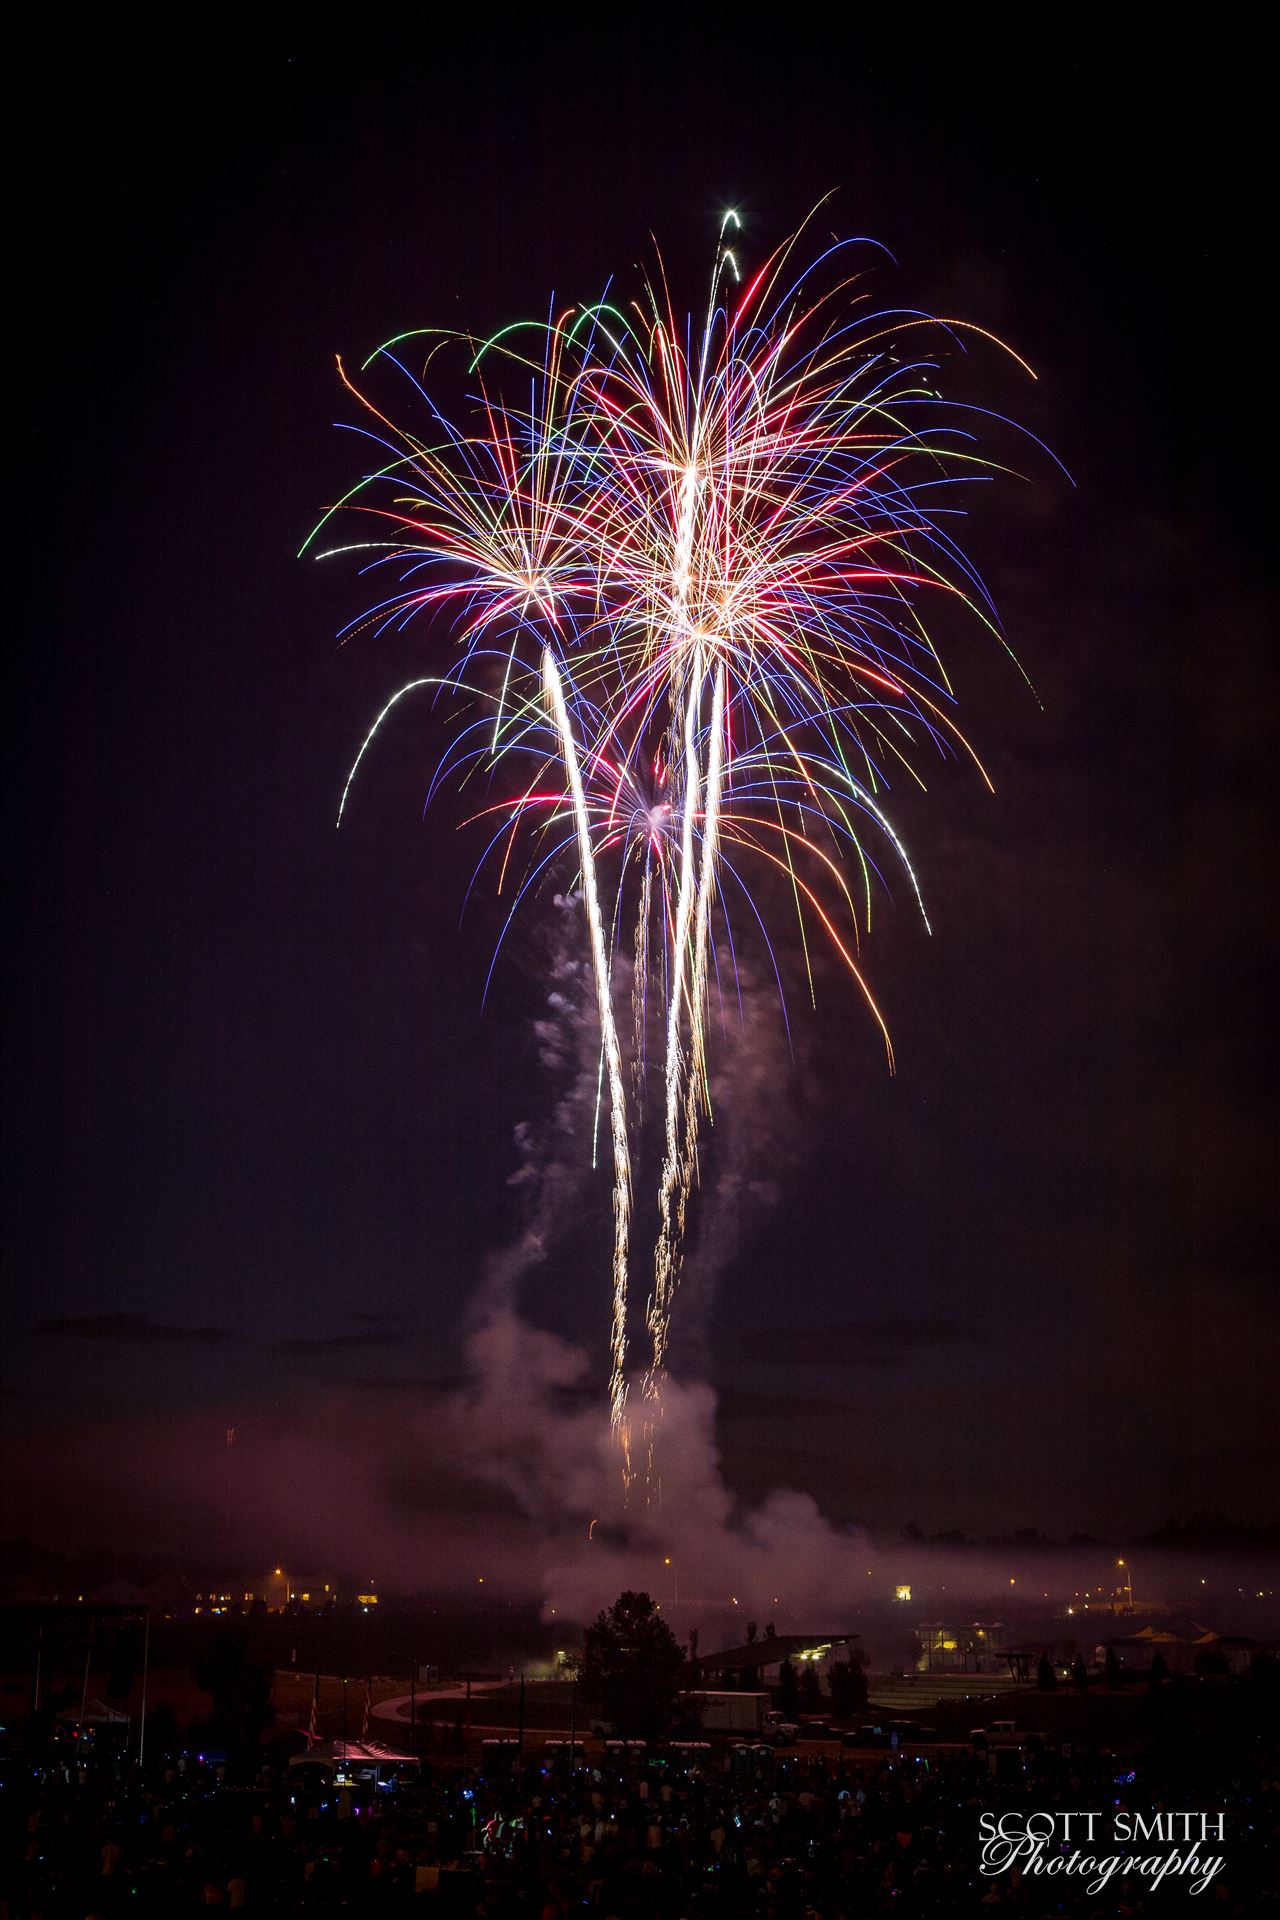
(682, 567)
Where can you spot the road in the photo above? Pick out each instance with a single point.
(397, 1708)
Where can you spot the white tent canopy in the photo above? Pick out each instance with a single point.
(352, 1753)
(96, 1713)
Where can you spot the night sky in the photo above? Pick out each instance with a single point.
(260, 1129)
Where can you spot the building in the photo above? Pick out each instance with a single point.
(757, 1663)
(278, 1589)
(977, 1646)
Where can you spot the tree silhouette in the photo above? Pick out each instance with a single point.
(124, 1663)
(848, 1683)
(634, 1666)
(239, 1690)
(1264, 1674)
(162, 1729)
(1046, 1678)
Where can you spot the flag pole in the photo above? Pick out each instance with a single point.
(146, 1661)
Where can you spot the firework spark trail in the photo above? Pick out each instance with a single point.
(613, 1058)
(675, 1053)
(690, 1068)
(640, 981)
(707, 886)
(686, 1066)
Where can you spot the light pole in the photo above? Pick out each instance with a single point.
(1128, 1584)
(675, 1577)
(142, 1717)
(84, 1695)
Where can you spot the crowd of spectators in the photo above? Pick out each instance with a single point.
(89, 1837)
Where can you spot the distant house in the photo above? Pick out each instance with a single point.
(118, 1593)
(313, 1590)
(756, 1663)
(170, 1596)
(278, 1589)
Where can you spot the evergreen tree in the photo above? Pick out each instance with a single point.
(239, 1690)
(634, 1666)
(847, 1680)
(124, 1663)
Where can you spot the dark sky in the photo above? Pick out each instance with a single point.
(259, 1127)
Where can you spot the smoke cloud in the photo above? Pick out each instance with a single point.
(507, 1474)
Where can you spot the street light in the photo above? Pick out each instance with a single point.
(675, 1576)
(1128, 1584)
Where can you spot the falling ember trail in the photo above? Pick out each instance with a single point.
(613, 1058)
(686, 1072)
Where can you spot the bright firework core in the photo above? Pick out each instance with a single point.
(682, 566)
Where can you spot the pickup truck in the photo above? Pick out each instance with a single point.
(1001, 1733)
